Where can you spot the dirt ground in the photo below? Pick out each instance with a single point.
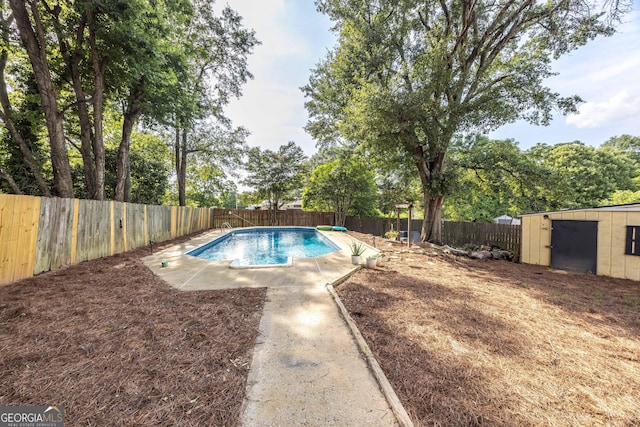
(470, 342)
(116, 346)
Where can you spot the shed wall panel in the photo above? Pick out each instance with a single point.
(535, 240)
(605, 253)
(618, 236)
(545, 241)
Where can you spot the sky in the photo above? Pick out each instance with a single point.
(295, 37)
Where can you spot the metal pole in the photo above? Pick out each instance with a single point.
(409, 227)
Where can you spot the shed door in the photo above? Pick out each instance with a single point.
(574, 245)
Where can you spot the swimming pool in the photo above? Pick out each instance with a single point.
(266, 246)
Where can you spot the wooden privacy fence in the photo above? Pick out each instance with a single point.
(376, 226)
(504, 236)
(39, 234)
(247, 218)
(457, 234)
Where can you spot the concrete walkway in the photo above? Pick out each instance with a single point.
(306, 369)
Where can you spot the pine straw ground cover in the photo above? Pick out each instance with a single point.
(470, 342)
(117, 346)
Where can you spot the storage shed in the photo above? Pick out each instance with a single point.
(603, 241)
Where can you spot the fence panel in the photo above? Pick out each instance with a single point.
(18, 236)
(55, 234)
(94, 230)
(469, 233)
(457, 234)
(136, 231)
(261, 218)
(118, 236)
(375, 226)
(159, 223)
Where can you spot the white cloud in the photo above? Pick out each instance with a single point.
(604, 73)
(617, 108)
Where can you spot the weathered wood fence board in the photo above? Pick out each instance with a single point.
(375, 226)
(54, 243)
(94, 230)
(159, 223)
(464, 233)
(42, 234)
(118, 243)
(136, 230)
(457, 234)
(246, 218)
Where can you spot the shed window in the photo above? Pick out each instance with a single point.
(632, 246)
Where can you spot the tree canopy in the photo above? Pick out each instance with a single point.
(174, 63)
(275, 175)
(408, 75)
(493, 178)
(345, 186)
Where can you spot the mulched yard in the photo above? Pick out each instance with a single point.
(116, 346)
(470, 342)
(463, 342)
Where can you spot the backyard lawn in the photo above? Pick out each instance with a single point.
(470, 342)
(116, 346)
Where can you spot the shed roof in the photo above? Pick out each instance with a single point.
(631, 207)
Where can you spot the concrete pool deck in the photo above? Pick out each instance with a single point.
(190, 273)
(306, 369)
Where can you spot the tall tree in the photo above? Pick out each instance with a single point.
(35, 42)
(493, 178)
(153, 69)
(585, 175)
(7, 114)
(217, 51)
(345, 186)
(219, 149)
(408, 75)
(275, 174)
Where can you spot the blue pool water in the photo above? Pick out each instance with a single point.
(266, 246)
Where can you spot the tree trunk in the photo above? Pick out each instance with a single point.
(7, 117)
(94, 188)
(432, 223)
(181, 165)
(123, 168)
(99, 67)
(427, 169)
(34, 45)
(85, 134)
(123, 172)
(10, 181)
(273, 210)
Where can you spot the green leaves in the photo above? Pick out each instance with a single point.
(496, 178)
(411, 74)
(345, 186)
(275, 175)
